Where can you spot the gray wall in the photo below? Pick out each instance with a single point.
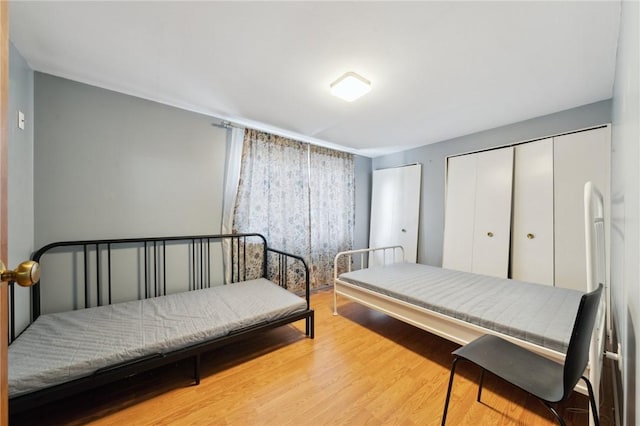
(363, 201)
(20, 175)
(108, 165)
(625, 206)
(363, 204)
(432, 157)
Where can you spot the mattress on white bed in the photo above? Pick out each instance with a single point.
(60, 347)
(537, 313)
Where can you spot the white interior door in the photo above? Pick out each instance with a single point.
(492, 229)
(532, 225)
(383, 218)
(578, 158)
(395, 209)
(459, 219)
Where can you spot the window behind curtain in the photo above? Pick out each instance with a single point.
(276, 199)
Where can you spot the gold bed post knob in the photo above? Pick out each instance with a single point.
(26, 274)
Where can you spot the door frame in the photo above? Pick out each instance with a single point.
(4, 106)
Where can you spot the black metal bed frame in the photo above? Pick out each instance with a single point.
(155, 285)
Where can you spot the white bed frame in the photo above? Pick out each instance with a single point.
(462, 332)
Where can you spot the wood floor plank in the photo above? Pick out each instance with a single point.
(363, 368)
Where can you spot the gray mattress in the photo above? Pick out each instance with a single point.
(537, 313)
(61, 347)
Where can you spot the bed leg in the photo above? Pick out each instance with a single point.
(335, 301)
(196, 369)
(310, 325)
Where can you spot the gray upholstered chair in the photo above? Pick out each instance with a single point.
(547, 380)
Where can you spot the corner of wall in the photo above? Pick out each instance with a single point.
(625, 189)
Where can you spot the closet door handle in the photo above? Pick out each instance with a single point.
(490, 234)
(530, 236)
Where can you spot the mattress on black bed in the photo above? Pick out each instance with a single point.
(537, 313)
(61, 347)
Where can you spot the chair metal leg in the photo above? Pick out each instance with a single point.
(480, 387)
(446, 402)
(592, 401)
(555, 413)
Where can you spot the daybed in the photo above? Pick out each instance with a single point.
(180, 308)
(461, 306)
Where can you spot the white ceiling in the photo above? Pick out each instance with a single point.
(438, 69)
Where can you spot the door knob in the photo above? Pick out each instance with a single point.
(26, 274)
(490, 234)
(530, 236)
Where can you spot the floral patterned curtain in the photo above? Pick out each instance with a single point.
(332, 210)
(300, 197)
(273, 192)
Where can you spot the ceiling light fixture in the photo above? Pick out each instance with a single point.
(350, 86)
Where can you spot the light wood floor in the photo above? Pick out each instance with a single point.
(362, 368)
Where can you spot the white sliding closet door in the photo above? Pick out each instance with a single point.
(518, 212)
(493, 213)
(478, 212)
(532, 233)
(395, 208)
(578, 157)
(457, 252)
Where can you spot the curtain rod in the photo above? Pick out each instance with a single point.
(228, 125)
(225, 125)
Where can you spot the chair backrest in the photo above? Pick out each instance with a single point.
(578, 352)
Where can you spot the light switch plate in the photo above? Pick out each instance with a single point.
(21, 120)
